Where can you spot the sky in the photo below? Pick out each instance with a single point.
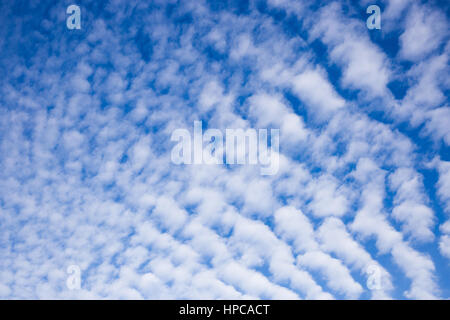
(359, 207)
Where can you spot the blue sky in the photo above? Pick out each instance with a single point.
(86, 176)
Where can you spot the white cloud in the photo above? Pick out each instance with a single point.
(314, 88)
(410, 204)
(425, 29)
(338, 277)
(328, 198)
(334, 238)
(364, 65)
(370, 221)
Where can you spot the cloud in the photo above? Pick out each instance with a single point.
(410, 204)
(334, 238)
(315, 89)
(364, 65)
(424, 31)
